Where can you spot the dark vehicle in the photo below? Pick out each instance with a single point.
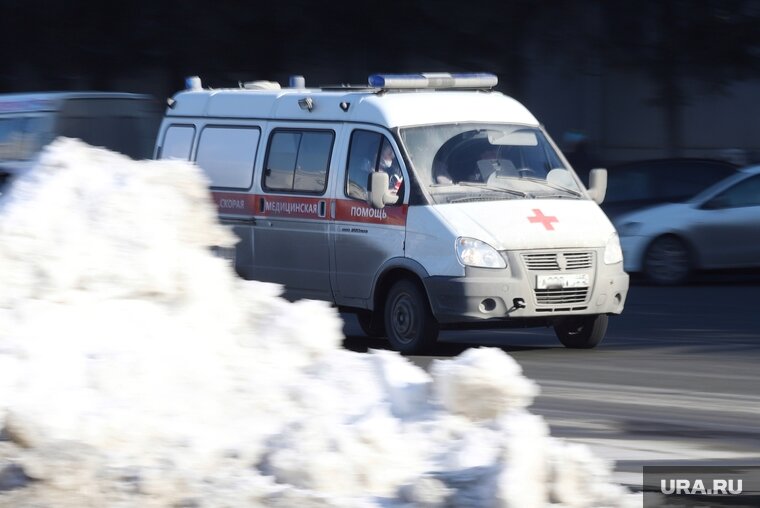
(123, 122)
(641, 184)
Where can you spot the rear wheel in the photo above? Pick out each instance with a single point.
(667, 261)
(409, 323)
(581, 332)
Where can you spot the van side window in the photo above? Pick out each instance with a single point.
(127, 126)
(368, 152)
(178, 139)
(298, 161)
(226, 155)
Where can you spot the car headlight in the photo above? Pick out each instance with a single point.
(613, 253)
(629, 228)
(472, 252)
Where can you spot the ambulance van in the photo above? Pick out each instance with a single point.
(418, 202)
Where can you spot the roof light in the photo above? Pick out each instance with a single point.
(434, 80)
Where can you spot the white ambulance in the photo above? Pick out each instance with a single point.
(419, 202)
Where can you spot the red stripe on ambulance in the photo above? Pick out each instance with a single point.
(234, 203)
(356, 211)
(346, 210)
(296, 207)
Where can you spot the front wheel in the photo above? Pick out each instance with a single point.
(581, 332)
(667, 261)
(409, 323)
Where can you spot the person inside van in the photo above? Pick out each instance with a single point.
(370, 153)
(390, 165)
(490, 163)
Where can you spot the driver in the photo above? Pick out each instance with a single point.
(490, 163)
(389, 164)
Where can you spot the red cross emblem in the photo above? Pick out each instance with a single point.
(546, 220)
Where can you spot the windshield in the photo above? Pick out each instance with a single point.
(21, 137)
(483, 162)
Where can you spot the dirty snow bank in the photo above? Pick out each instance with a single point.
(137, 370)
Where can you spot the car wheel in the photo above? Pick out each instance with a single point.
(667, 261)
(409, 323)
(370, 325)
(581, 332)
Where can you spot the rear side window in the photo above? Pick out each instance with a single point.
(127, 126)
(298, 161)
(178, 140)
(227, 154)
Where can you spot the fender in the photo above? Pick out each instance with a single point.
(396, 264)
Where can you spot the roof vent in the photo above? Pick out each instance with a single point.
(297, 82)
(193, 83)
(261, 85)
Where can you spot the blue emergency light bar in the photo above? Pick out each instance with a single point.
(434, 80)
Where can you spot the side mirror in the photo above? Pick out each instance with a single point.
(379, 195)
(597, 188)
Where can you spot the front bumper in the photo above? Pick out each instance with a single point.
(633, 252)
(511, 293)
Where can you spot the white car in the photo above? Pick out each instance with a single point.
(717, 229)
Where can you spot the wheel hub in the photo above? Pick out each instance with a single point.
(403, 319)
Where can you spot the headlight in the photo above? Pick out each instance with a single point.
(612, 251)
(472, 252)
(629, 228)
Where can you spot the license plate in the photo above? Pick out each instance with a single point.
(575, 280)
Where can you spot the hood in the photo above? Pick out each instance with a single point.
(530, 224)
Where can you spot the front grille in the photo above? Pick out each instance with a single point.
(541, 262)
(561, 296)
(554, 261)
(551, 263)
(577, 260)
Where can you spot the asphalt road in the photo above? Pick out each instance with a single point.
(676, 380)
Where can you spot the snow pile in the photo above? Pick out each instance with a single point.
(137, 370)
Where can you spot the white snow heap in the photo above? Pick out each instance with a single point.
(482, 385)
(136, 369)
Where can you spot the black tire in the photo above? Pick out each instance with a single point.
(581, 332)
(667, 261)
(409, 323)
(371, 324)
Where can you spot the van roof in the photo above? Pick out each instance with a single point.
(395, 108)
(51, 101)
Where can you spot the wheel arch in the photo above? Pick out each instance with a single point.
(393, 271)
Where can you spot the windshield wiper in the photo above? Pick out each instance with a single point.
(496, 189)
(554, 186)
